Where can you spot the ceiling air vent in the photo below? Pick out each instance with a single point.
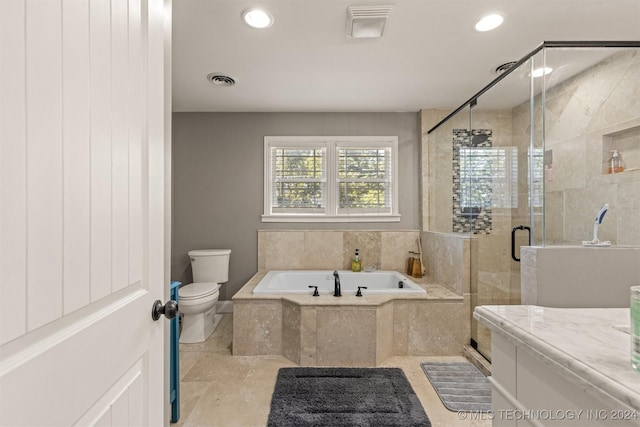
(220, 79)
(504, 67)
(367, 21)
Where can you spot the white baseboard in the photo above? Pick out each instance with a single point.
(224, 307)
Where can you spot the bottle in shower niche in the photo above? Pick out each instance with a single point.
(615, 163)
(356, 264)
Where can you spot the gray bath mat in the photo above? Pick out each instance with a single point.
(345, 397)
(460, 385)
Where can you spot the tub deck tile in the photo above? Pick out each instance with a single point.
(349, 330)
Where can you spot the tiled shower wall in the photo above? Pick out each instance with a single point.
(585, 117)
(333, 250)
(449, 259)
(480, 222)
(495, 278)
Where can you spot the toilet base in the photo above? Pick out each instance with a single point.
(198, 327)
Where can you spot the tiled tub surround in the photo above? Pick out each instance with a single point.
(448, 259)
(334, 249)
(466, 265)
(349, 330)
(302, 282)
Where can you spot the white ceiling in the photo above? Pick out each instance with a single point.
(430, 55)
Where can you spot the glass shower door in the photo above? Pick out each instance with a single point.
(528, 156)
(501, 171)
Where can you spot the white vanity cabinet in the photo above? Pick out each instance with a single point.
(561, 367)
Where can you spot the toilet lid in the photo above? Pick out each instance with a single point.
(197, 290)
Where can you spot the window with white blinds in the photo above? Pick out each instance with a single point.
(310, 179)
(364, 180)
(299, 180)
(489, 177)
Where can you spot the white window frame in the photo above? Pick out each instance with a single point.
(331, 145)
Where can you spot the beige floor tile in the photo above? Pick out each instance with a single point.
(190, 394)
(187, 361)
(219, 367)
(219, 341)
(221, 390)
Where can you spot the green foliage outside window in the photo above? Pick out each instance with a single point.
(362, 178)
(300, 177)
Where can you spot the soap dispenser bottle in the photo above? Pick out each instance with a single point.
(616, 164)
(356, 265)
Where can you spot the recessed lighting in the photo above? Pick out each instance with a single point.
(489, 22)
(542, 71)
(257, 18)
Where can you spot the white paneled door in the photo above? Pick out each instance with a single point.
(83, 211)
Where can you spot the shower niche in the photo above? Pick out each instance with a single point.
(626, 143)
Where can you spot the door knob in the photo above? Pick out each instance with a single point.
(170, 309)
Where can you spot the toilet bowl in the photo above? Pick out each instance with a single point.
(197, 300)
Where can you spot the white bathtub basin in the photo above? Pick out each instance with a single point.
(298, 282)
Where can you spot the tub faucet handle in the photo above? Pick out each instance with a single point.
(359, 293)
(315, 291)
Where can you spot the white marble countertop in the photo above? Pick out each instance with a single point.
(588, 346)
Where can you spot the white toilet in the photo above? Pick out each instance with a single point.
(197, 300)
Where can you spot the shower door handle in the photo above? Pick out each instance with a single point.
(513, 240)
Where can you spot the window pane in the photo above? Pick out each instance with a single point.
(363, 195)
(330, 177)
(362, 163)
(299, 195)
(298, 180)
(298, 163)
(363, 179)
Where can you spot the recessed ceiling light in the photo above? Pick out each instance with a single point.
(542, 71)
(489, 22)
(257, 18)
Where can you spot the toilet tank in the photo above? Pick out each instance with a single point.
(210, 265)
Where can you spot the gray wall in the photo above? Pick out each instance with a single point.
(218, 180)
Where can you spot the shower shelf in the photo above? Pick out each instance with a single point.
(627, 142)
